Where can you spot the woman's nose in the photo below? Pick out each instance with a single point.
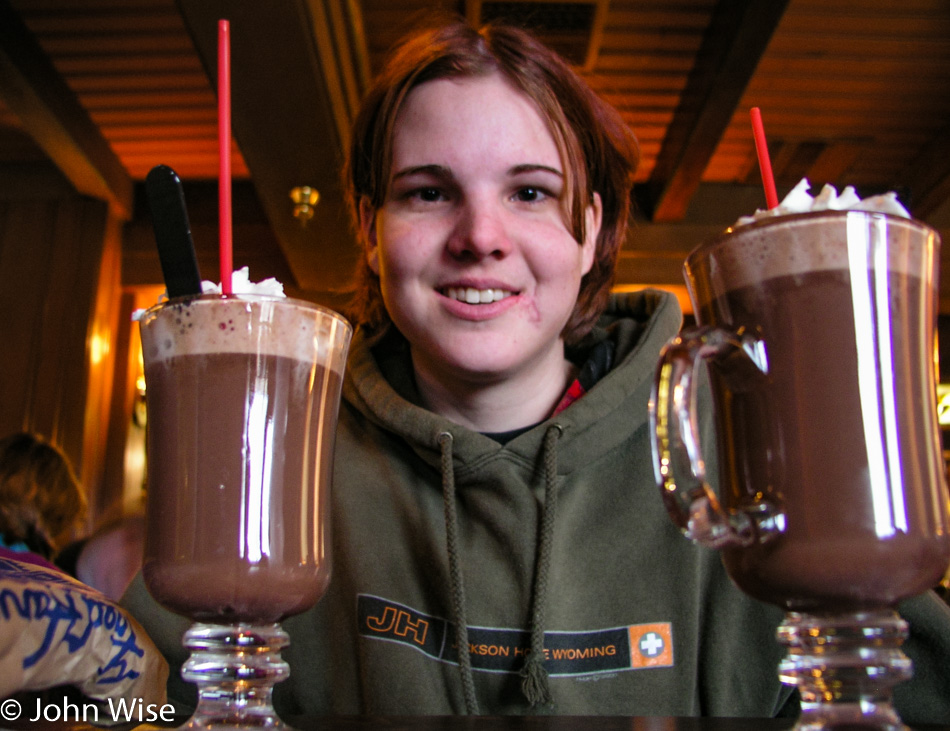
(480, 231)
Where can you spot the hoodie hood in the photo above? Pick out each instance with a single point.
(379, 384)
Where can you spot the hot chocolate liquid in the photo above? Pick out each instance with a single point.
(234, 529)
(840, 428)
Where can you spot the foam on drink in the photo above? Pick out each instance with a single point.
(806, 248)
(240, 324)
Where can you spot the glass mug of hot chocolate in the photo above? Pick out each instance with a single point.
(243, 394)
(817, 333)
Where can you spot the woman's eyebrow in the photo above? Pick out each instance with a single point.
(533, 168)
(439, 171)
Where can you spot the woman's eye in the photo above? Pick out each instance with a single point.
(429, 195)
(530, 195)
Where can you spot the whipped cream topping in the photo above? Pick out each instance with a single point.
(799, 200)
(240, 284)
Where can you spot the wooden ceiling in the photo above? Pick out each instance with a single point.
(851, 91)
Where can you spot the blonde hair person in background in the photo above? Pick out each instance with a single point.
(40, 496)
(61, 642)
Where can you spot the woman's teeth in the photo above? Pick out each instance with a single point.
(474, 296)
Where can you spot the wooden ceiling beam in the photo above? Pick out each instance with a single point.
(340, 43)
(52, 115)
(287, 128)
(737, 36)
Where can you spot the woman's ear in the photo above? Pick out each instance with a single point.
(368, 232)
(593, 218)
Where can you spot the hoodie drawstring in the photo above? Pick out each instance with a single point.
(455, 575)
(534, 677)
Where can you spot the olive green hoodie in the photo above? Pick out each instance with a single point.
(556, 541)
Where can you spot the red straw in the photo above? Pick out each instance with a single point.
(762, 150)
(224, 155)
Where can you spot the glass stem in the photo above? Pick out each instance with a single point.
(845, 666)
(235, 668)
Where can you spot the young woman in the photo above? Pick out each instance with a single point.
(499, 543)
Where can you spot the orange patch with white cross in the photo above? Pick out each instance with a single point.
(651, 645)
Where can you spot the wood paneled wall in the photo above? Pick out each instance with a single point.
(60, 290)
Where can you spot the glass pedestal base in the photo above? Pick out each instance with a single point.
(845, 666)
(235, 668)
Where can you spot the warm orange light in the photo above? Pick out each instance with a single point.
(943, 404)
(99, 347)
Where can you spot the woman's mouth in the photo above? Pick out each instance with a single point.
(473, 296)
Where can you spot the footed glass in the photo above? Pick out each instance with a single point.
(817, 331)
(243, 394)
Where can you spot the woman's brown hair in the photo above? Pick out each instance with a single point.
(40, 497)
(599, 150)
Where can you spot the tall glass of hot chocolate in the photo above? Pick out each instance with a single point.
(243, 393)
(817, 330)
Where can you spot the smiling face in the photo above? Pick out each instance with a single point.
(477, 267)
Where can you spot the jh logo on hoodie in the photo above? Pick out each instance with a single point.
(503, 650)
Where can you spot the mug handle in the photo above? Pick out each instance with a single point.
(677, 450)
